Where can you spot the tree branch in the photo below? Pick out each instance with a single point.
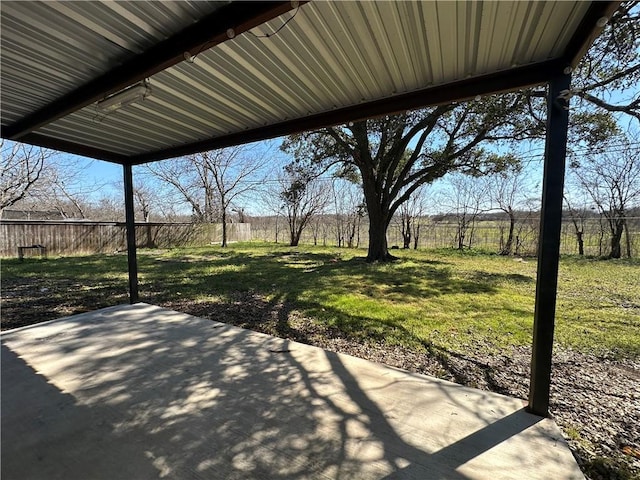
(612, 78)
(630, 109)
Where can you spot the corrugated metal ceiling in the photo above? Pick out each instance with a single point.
(330, 55)
(50, 48)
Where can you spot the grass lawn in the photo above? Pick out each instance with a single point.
(442, 298)
(465, 317)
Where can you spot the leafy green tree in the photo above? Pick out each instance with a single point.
(443, 139)
(607, 78)
(394, 155)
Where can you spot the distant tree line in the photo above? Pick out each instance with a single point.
(497, 211)
(461, 160)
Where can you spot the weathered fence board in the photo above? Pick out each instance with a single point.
(69, 237)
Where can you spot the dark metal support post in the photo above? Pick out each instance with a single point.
(131, 234)
(549, 244)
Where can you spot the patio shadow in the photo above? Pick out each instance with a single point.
(143, 392)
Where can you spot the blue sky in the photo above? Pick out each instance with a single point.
(109, 175)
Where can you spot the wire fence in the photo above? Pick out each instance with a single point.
(70, 237)
(489, 235)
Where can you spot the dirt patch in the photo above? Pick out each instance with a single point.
(36, 301)
(595, 401)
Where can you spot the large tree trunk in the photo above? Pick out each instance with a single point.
(580, 238)
(616, 237)
(292, 230)
(508, 247)
(378, 248)
(627, 237)
(150, 242)
(379, 217)
(406, 232)
(296, 233)
(579, 229)
(461, 235)
(295, 239)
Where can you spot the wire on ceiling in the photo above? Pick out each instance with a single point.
(275, 32)
(231, 34)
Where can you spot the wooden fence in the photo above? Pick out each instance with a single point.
(71, 237)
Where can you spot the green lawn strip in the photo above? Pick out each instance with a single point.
(454, 300)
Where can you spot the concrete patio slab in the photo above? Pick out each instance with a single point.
(141, 392)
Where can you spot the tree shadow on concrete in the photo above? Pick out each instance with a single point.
(142, 392)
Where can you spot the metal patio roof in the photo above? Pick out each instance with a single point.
(265, 69)
(332, 62)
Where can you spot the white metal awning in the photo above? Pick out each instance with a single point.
(262, 69)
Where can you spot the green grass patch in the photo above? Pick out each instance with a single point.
(598, 306)
(442, 298)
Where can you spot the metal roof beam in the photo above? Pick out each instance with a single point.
(132, 258)
(587, 31)
(503, 81)
(206, 33)
(74, 148)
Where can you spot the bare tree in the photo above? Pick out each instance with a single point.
(611, 178)
(142, 198)
(21, 167)
(66, 188)
(466, 199)
(303, 196)
(406, 220)
(234, 173)
(410, 214)
(578, 214)
(108, 207)
(59, 184)
(191, 180)
(348, 203)
(316, 226)
(242, 216)
(210, 181)
(336, 188)
(509, 191)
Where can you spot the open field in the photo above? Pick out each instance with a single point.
(461, 316)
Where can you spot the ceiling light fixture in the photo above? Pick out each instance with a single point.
(129, 95)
